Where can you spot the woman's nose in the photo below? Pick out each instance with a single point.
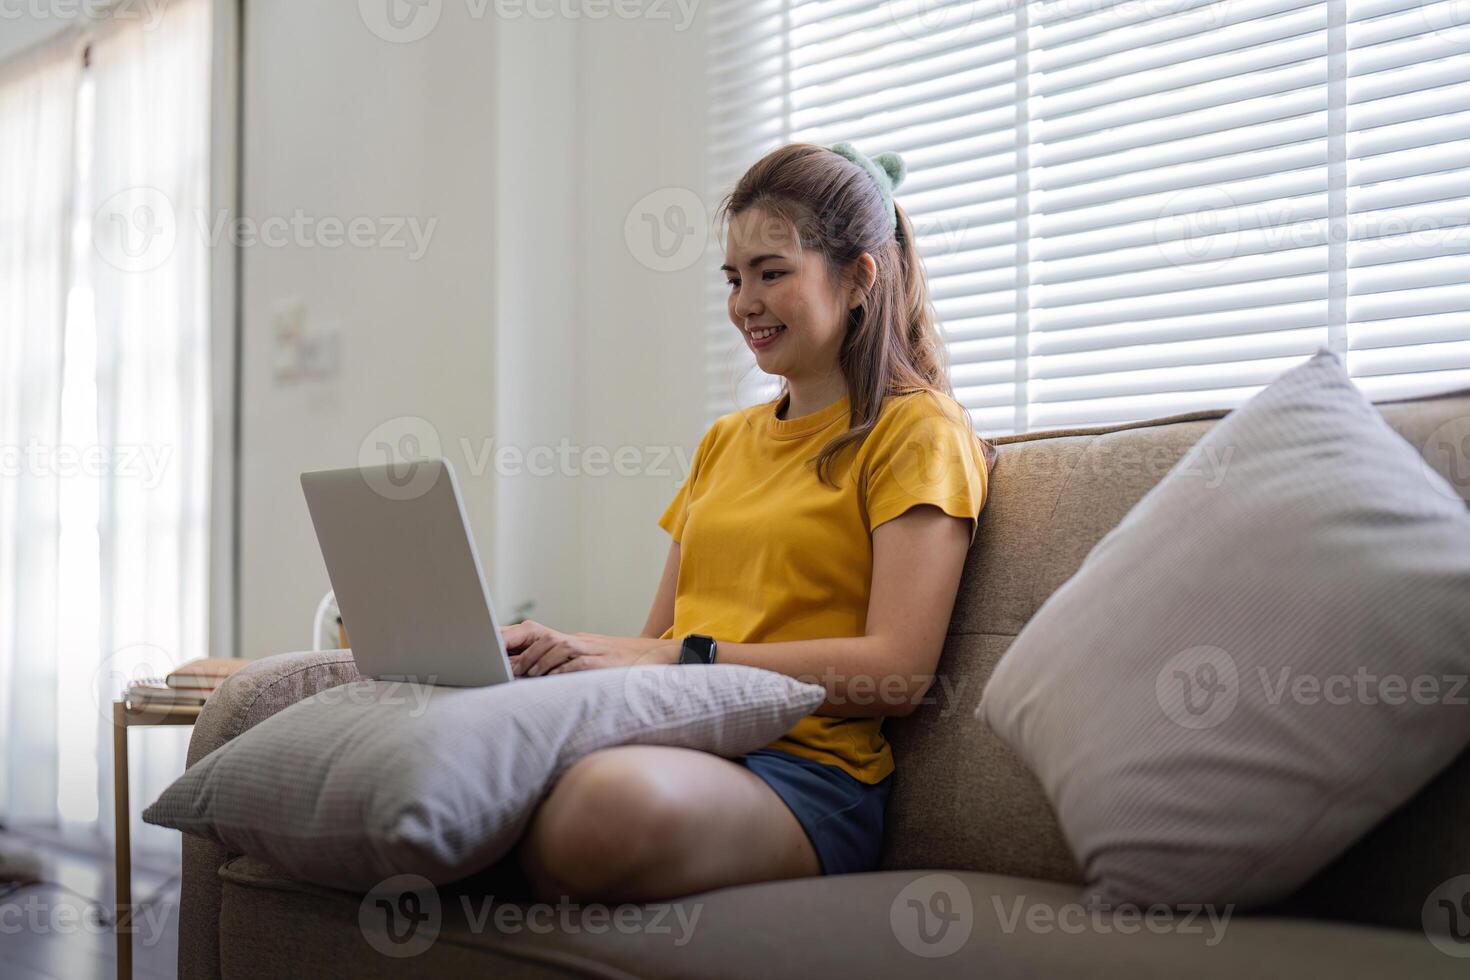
(747, 304)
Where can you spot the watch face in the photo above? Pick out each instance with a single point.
(697, 650)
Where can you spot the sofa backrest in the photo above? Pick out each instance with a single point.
(963, 800)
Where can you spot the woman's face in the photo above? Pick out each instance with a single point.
(788, 307)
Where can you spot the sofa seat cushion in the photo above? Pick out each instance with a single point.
(856, 925)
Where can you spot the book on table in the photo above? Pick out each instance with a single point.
(190, 683)
(152, 691)
(204, 672)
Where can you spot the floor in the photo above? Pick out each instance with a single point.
(52, 929)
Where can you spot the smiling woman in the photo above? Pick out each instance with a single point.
(819, 535)
(817, 249)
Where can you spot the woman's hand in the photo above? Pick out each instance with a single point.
(535, 650)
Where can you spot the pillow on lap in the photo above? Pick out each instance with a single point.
(1259, 663)
(376, 778)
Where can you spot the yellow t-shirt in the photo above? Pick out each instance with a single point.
(770, 553)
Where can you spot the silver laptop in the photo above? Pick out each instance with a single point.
(406, 574)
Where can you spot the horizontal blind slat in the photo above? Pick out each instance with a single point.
(1235, 54)
(1177, 195)
(1212, 325)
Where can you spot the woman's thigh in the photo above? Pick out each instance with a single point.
(643, 822)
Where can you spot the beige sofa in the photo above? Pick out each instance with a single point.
(966, 820)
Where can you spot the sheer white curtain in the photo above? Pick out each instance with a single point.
(149, 267)
(38, 96)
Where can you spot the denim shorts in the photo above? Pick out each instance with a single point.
(842, 816)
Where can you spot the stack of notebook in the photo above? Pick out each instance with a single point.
(188, 684)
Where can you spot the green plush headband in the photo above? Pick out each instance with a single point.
(886, 169)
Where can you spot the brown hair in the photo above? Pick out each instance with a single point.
(893, 345)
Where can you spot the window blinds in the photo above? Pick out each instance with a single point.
(1130, 209)
(1408, 196)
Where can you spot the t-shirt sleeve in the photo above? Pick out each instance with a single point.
(677, 512)
(925, 452)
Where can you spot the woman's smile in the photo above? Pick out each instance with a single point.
(763, 337)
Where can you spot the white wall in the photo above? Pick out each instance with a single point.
(340, 123)
(529, 320)
(642, 370)
(538, 403)
(32, 26)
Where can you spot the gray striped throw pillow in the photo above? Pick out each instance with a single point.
(1260, 662)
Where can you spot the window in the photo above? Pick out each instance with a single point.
(1133, 209)
(104, 401)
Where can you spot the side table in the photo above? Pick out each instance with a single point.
(124, 716)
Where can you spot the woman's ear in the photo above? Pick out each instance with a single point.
(864, 272)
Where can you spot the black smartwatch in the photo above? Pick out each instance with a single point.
(697, 649)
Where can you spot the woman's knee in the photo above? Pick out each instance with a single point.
(604, 821)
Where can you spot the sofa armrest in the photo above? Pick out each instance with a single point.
(255, 692)
(246, 698)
